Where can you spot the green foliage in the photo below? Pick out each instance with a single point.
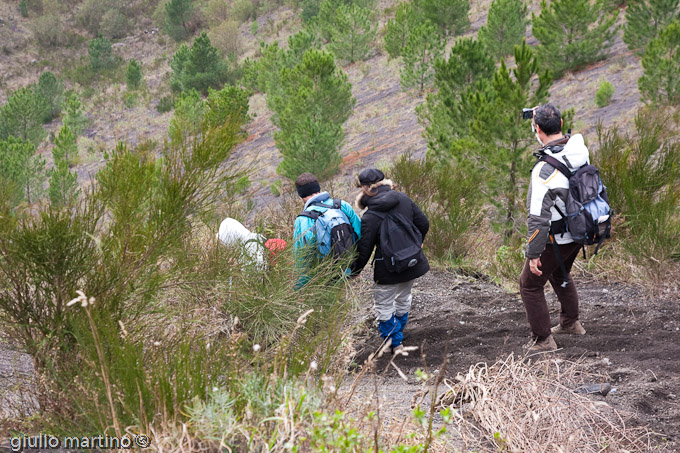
(187, 118)
(49, 31)
(133, 75)
(351, 32)
(21, 171)
(177, 16)
(446, 113)
(253, 28)
(227, 38)
(110, 18)
(604, 94)
(451, 198)
(115, 24)
(228, 105)
(423, 47)
(450, 16)
(642, 174)
(74, 118)
(165, 104)
(22, 116)
(660, 83)
(315, 101)
(484, 125)
(63, 183)
(505, 27)
(51, 93)
(244, 10)
(198, 67)
(644, 20)
(573, 33)
(101, 54)
(23, 9)
(397, 30)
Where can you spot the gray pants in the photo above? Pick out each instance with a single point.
(391, 300)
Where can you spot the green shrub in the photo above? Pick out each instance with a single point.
(604, 94)
(21, 172)
(226, 38)
(131, 99)
(642, 173)
(74, 118)
(49, 31)
(198, 67)
(51, 94)
(23, 114)
(114, 24)
(254, 27)
(645, 19)
(659, 83)
(101, 54)
(166, 104)
(178, 14)
(133, 75)
(243, 10)
(450, 197)
(23, 9)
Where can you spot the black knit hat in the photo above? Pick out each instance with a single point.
(370, 176)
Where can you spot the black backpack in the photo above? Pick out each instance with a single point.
(333, 232)
(400, 242)
(588, 216)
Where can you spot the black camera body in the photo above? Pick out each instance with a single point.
(527, 114)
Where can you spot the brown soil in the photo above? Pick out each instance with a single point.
(631, 337)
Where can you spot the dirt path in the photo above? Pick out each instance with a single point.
(632, 338)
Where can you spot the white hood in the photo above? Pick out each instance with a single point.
(574, 154)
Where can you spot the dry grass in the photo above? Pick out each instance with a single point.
(532, 407)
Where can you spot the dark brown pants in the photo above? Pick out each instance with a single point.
(531, 289)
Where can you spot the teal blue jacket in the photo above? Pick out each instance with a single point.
(304, 246)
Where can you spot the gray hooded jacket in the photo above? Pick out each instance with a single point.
(549, 188)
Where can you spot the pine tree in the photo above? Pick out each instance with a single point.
(660, 82)
(74, 118)
(51, 92)
(444, 115)
(21, 171)
(63, 184)
(22, 116)
(198, 67)
(423, 47)
(573, 33)
(133, 75)
(505, 27)
(101, 54)
(644, 19)
(352, 32)
(187, 117)
(450, 16)
(503, 139)
(316, 102)
(398, 30)
(177, 16)
(228, 105)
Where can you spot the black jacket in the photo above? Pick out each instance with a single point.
(386, 200)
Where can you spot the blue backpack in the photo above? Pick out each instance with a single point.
(333, 232)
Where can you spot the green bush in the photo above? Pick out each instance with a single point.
(23, 9)
(165, 104)
(133, 75)
(21, 172)
(604, 94)
(101, 54)
(642, 173)
(451, 199)
(74, 118)
(49, 31)
(198, 67)
(645, 19)
(178, 14)
(659, 83)
(243, 10)
(226, 38)
(114, 24)
(51, 92)
(23, 114)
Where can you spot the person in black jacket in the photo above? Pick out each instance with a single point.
(392, 291)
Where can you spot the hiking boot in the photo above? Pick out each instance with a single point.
(575, 329)
(546, 345)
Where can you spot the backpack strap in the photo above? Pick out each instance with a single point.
(311, 214)
(557, 164)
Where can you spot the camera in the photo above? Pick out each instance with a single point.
(527, 114)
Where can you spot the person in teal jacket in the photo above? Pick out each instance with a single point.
(309, 189)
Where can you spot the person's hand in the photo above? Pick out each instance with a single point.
(534, 264)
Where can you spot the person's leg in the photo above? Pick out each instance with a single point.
(567, 295)
(533, 297)
(383, 302)
(402, 302)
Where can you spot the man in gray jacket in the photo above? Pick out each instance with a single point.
(548, 241)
